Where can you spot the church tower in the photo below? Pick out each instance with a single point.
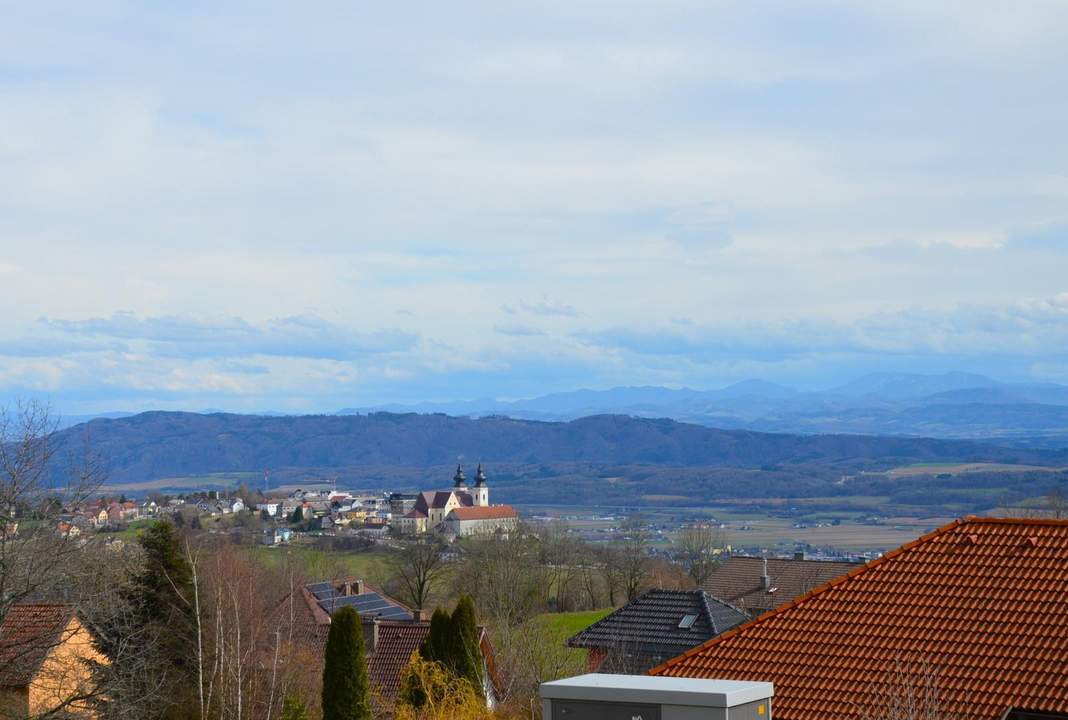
(459, 480)
(481, 493)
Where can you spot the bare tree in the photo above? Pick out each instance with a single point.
(697, 548)
(1057, 503)
(419, 566)
(632, 556)
(908, 692)
(504, 576)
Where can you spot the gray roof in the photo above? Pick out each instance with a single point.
(650, 625)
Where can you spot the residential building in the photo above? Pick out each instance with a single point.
(46, 660)
(67, 529)
(270, 507)
(392, 649)
(401, 504)
(321, 599)
(655, 627)
(758, 585)
(277, 536)
(413, 523)
(971, 618)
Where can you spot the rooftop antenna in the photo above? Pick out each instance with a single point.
(266, 480)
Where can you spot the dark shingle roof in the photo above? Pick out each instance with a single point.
(28, 633)
(738, 582)
(650, 624)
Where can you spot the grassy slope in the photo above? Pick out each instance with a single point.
(561, 626)
(320, 564)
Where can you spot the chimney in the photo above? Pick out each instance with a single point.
(422, 615)
(765, 581)
(357, 587)
(799, 554)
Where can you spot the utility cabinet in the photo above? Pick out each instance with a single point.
(600, 696)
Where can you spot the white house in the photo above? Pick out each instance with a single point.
(270, 507)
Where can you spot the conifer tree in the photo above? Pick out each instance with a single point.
(465, 655)
(346, 689)
(436, 646)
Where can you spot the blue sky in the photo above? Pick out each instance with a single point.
(308, 206)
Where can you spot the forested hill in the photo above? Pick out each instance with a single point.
(167, 444)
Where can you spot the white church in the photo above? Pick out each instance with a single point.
(460, 511)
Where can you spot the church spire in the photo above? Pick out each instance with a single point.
(480, 476)
(459, 480)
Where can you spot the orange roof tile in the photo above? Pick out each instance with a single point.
(28, 633)
(982, 603)
(493, 512)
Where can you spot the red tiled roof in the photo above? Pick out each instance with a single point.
(737, 580)
(29, 631)
(493, 512)
(981, 603)
(396, 643)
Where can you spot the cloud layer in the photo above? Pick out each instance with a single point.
(308, 207)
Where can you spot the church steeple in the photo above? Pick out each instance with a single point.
(459, 480)
(481, 491)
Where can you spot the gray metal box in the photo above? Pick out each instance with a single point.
(600, 696)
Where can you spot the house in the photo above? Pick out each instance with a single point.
(653, 628)
(464, 521)
(392, 649)
(67, 529)
(974, 614)
(46, 659)
(277, 536)
(238, 505)
(758, 585)
(319, 600)
(413, 522)
(271, 508)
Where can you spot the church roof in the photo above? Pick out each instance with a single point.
(438, 499)
(492, 512)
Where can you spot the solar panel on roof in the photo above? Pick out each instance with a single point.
(313, 587)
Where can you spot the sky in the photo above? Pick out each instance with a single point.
(308, 206)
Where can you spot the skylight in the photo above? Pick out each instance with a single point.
(687, 622)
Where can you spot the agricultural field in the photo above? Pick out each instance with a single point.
(962, 468)
(372, 565)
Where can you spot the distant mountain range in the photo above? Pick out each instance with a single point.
(173, 444)
(950, 405)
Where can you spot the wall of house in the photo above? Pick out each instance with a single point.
(64, 673)
(14, 702)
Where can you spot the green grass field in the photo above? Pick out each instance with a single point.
(564, 625)
(372, 566)
(561, 626)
